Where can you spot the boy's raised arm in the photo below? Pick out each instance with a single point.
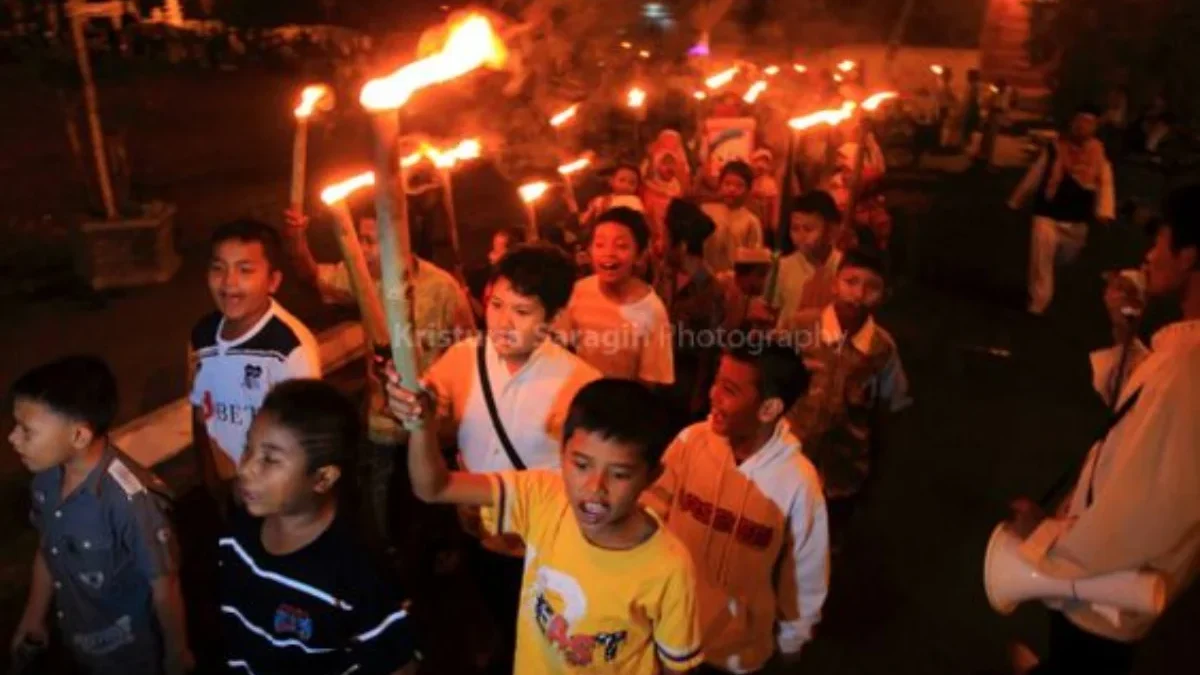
(432, 480)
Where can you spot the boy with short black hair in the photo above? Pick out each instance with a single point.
(248, 345)
(737, 226)
(614, 320)
(624, 185)
(808, 270)
(107, 557)
(605, 587)
(738, 491)
(503, 398)
(857, 377)
(299, 591)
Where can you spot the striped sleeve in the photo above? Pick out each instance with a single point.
(677, 627)
(383, 641)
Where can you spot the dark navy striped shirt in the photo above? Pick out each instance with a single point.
(326, 609)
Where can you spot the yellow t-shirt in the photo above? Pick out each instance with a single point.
(585, 609)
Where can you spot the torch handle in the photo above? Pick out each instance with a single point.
(569, 193)
(299, 165)
(531, 227)
(392, 216)
(365, 291)
(452, 218)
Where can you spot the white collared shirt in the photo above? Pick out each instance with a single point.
(532, 403)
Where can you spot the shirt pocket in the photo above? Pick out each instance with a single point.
(91, 562)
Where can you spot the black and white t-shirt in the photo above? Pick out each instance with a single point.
(327, 608)
(234, 376)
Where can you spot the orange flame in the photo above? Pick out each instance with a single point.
(564, 116)
(846, 66)
(645, 54)
(700, 96)
(837, 77)
(832, 117)
(936, 69)
(472, 43)
(755, 91)
(576, 166)
(722, 78)
(531, 192)
(409, 161)
(446, 159)
(800, 68)
(339, 191)
(871, 103)
(637, 97)
(309, 98)
(626, 45)
(771, 71)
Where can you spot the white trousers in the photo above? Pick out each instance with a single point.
(1053, 241)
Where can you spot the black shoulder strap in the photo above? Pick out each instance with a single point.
(490, 399)
(1115, 419)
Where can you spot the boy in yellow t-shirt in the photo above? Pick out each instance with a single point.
(606, 588)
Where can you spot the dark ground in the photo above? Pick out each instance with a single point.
(1003, 401)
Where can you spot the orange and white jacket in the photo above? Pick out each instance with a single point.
(759, 541)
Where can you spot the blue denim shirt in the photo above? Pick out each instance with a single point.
(104, 543)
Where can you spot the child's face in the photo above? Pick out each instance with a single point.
(762, 166)
(733, 190)
(516, 323)
(736, 404)
(809, 232)
(42, 438)
(273, 476)
(613, 252)
(241, 278)
(666, 167)
(603, 479)
(624, 182)
(499, 248)
(368, 238)
(857, 293)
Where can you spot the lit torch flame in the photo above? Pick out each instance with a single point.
(936, 69)
(339, 191)
(472, 43)
(645, 54)
(700, 96)
(771, 71)
(531, 192)
(755, 91)
(564, 116)
(832, 117)
(722, 78)
(846, 66)
(800, 68)
(576, 166)
(409, 161)
(636, 98)
(871, 104)
(309, 98)
(446, 159)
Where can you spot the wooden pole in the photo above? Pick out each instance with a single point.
(569, 193)
(299, 164)
(394, 251)
(448, 197)
(93, 110)
(369, 303)
(784, 226)
(531, 231)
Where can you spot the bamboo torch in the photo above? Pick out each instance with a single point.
(471, 44)
(445, 161)
(369, 304)
(797, 126)
(530, 193)
(309, 98)
(869, 105)
(636, 100)
(568, 170)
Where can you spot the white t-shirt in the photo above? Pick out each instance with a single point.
(234, 376)
(532, 403)
(629, 341)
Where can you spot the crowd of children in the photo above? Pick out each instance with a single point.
(642, 455)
